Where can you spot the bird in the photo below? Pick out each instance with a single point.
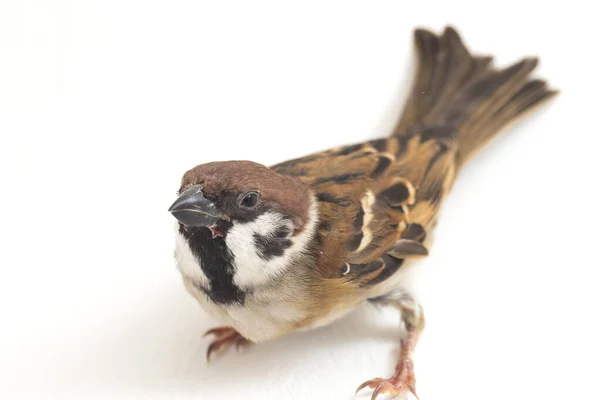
(269, 250)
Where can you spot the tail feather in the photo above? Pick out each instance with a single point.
(454, 88)
(443, 66)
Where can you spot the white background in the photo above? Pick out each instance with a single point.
(104, 105)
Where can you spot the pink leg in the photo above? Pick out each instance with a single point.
(403, 379)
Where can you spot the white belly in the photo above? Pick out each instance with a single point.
(257, 319)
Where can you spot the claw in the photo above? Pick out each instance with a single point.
(413, 390)
(224, 338)
(211, 349)
(215, 347)
(402, 382)
(371, 383)
(361, 387)
(377, 391)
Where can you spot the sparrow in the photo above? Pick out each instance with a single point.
(297, 245)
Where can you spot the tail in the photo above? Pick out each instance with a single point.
(454, 88)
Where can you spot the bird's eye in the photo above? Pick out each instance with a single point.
(250, 200)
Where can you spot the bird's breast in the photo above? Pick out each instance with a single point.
(261, 317)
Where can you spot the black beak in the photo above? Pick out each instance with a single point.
(193, 209)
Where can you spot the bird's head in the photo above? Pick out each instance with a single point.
(243, 224)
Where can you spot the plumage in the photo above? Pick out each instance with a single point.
(299, 244)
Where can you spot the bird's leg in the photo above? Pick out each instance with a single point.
(225, 337)
(403, 380)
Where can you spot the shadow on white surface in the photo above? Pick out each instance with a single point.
(160, 348)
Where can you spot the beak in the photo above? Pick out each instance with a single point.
(193, 209)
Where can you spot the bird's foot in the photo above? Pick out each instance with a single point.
(402, 382)
(225, 337)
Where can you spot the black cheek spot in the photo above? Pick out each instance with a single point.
(270, 247)
(283, 232)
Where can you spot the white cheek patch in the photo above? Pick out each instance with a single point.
(188, 264)
(250, 268)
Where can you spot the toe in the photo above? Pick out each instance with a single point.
(385, 387)
(218, 332)
(373, 383)
(377, 390)
(213, 348)
(380, 386)
(241, 343)
(413, 390)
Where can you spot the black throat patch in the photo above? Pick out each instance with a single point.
(216, 263)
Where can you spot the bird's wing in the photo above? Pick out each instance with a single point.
(376, 200)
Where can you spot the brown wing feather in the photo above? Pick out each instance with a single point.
(376, 200)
